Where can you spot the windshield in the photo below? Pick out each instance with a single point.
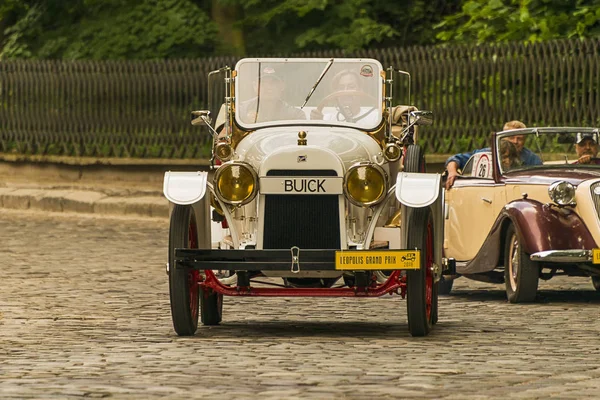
(523, 149)
(272, 91)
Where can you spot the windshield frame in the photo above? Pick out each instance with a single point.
(379, 74)
(539, 131)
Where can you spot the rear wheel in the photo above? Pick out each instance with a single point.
(211, 307)
(421, 291)
(521, 275)
(414, 160)
(445, 285)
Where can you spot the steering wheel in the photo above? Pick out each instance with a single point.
(593, 161)
(343, 93)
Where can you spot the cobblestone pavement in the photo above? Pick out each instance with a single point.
(84, 312)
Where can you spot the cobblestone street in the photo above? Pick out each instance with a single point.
(84, 312)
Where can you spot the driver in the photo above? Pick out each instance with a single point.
(347, 93)
(586, 147)
(269, 105)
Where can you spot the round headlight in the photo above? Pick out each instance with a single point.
(562, 193)
(365, 184)
(236, 183)
(392, 152)
(224, 152)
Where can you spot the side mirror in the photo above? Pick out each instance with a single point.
(422, 117)
(201, 117)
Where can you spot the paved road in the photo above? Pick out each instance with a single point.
(84, 312)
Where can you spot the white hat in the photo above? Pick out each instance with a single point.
(587, 135)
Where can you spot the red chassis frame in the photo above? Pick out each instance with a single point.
(391, 286)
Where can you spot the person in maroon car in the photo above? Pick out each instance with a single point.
(509, 155)
(586, 147)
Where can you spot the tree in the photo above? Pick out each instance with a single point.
(149, 29)
(107, 29)
(521, 20)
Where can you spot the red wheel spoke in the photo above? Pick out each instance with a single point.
(194, 275)
(428, 272)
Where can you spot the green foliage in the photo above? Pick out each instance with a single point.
(291, 26)
(153, 29)
(485, 21)
(110, 29)
(312, 24)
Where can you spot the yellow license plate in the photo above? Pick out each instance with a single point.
(596, 256)
(368, 259)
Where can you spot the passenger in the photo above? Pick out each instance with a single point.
(509, 156)
(527, 157)
(269, 105)
(586, 147)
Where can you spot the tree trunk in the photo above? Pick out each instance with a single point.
(231, 36)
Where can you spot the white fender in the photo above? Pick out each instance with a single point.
(417, 189)
(185, 187)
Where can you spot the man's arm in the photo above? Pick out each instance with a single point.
(458, 161)
(453, 164)
(452, 168)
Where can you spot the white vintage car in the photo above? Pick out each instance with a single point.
(317, 189)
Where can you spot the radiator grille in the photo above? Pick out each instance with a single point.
(306, 221)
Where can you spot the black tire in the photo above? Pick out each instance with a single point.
(184, 295)
(521, 275)
(188, 301)
(211, 307)
(414, 160)
(421, 291)
(434, 303)
(596, 283)
(445, 286)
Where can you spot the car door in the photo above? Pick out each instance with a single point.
(472, 205)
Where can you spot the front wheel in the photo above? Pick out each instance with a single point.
(421, 290)
(521, 275)
(184, 292)
(188, 301)
(596, 283)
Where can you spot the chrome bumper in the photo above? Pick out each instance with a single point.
(563, 256)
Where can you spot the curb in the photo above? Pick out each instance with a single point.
(83, 201)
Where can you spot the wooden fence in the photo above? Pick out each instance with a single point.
(141, 108)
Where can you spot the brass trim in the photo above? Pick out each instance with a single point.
(223, 151)
(392, 152)
(395, 220)
(302, 138)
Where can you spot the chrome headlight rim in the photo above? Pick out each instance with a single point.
(224, 151)
(222, 168)
(380, 170)
(562, 193)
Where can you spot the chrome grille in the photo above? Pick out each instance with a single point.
(306, 221)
